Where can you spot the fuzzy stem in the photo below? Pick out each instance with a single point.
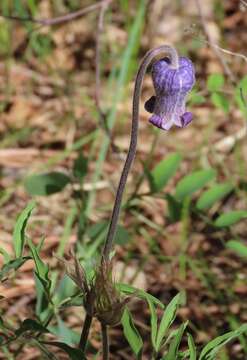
(105, 342)
(150, 55)
(85, 333)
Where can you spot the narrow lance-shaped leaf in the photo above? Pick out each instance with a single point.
(192, 347)
(74, 354)
(12, 265)
(175, 343)
(167, 319)
(193, 182)
(128, 289)
(20, 227)
(238, 247)
(30, 325)
(154, 321)
(164, 171)
(214, 194)
(210, 351)
(230, 218)
(131, 333)
(42, 269)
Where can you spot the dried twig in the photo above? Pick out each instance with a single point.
(98, 52)
(60, 19)
(242, 56)
(210, 42)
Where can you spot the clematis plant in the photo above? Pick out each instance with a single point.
(173, 78)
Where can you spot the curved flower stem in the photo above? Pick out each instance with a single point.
(105, 342)
(150, 55)
(85, 333)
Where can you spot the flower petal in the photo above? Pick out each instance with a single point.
(186, 118)
(149, 104)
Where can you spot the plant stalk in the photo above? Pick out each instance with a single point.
(105, 341)
(85, 333)
(150, 55)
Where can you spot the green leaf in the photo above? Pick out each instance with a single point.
(192, 347)
(41, 44)
(215, 82)
(12, 265)
(20, 227)
(193, 182)
(195, 98)
(230, 218)
(167, 319)
(240, 95)
(65, 334)
(65, 289)
(175, 343)
(43, 349)
(131, 333)
(210, 351)
(238, 247)
(131, 290)
(42, 304)
(174, 208)
(164, 171)
(74, 354)
(42, 269)
(30, 325)
(6, 256)
(214, 194)
(154, 321)
(122, 236)
(80, 167)
(220, 101)
(46, 184)
(75, 300)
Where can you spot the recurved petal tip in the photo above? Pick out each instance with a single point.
(186, 118)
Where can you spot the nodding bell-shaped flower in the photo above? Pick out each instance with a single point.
(171, 88)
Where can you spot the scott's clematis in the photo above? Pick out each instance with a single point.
(171, 87)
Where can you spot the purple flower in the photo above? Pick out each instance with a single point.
(171, 87)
